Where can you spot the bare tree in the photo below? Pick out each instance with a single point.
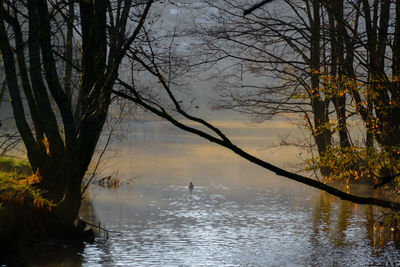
(172, 108)
(322, 59)
(65, 129)
(130, 92)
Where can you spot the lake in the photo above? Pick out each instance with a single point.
(238, 214)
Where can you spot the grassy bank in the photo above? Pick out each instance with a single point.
(19, 198)
(17, 185)
(13, 165)
(22, 207)
(27, 227)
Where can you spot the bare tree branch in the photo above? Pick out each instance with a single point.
(251, 9)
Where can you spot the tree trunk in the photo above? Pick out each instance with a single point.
(59, 155)
(321, 133)
(337, 34)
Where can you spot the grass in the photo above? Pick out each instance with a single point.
(23, 208)
(11, 165)
(16, 185)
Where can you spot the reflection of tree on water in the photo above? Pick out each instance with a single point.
(382, 228)
(32, 252)
(322, 214)
(88, 213)
(325, 213)
(339, 235)
(333, 221)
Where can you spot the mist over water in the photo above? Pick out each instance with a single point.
(238, 214)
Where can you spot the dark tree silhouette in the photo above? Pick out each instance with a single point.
(67, 117)
(251, 9)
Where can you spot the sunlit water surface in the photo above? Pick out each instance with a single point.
(237, 215)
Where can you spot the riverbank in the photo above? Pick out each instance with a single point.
(27, 225)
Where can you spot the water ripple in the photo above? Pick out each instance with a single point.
(211, 226)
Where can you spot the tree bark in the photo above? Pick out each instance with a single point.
(337, 33)
(321, 133)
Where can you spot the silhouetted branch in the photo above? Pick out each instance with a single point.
(251, 9)
(138, 99)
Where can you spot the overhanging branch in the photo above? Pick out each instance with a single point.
(278, 171)
(251, 9)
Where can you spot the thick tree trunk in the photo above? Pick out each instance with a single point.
(61, 183)
(321, 133)
(61, 155)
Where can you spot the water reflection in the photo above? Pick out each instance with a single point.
(237, 214)
(360, 235)
(31, 252)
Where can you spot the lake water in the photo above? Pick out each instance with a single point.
(238, 214)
